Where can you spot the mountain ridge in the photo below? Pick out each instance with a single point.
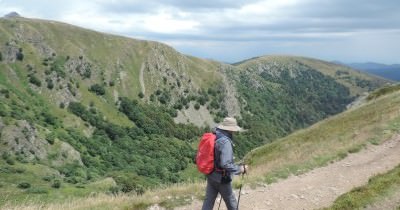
(113, 99)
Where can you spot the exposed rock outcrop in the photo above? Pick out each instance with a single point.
(231, 96)
(22, 138)
(12, 15)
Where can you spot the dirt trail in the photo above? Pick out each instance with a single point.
(320, 187)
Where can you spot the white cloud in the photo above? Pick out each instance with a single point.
(267, 8)
(164, 22)
(244, 27)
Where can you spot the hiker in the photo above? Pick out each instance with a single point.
(219, 181)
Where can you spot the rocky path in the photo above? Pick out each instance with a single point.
(320, 187)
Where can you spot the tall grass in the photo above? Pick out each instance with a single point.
(377, 187)
(168, 197)
(383, 91)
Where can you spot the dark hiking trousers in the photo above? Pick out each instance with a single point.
(213, 188)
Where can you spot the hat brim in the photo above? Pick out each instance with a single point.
(230, 128)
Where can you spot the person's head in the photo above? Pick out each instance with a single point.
(230, 125)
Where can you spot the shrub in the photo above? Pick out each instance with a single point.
(19, 55)
(5, 92)
(173, 113)
(1, 57)
(87, 73)
(19, 170)
(10, 161)
(212, 92)
(47, 178)
(56, 184)
(162, 99)
(141, 95)
(98, 89)
(58, 67)
(178, 106)
(114, 131)
(114, 190)
(152, 98)
(202, 100)
(50, 138)
(197, 106)
(50, 119)
(62, 105)
(3, 113)
(129, 182)
(34, 80)
(5, 155)
(50, 84)
(24, 185)
(37, 191)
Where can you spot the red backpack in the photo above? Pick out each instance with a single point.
(205, 153)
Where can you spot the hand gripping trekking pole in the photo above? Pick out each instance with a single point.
(240, 190)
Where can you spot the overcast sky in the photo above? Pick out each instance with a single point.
(233, 30)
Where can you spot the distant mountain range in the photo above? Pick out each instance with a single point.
(391, 72)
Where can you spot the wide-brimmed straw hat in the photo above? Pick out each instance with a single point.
(229, 124)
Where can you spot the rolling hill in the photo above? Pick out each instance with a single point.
(84, 111)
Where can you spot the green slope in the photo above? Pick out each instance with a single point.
(89, 105)
(328, 140)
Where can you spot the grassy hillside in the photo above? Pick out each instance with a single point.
(280, 94)
(61, 88)
(356, 81)
(83, 107)
(329, 140)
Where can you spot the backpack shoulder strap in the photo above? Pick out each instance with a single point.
(217, 154)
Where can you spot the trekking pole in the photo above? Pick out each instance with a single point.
(220, 199)
(240, 189)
